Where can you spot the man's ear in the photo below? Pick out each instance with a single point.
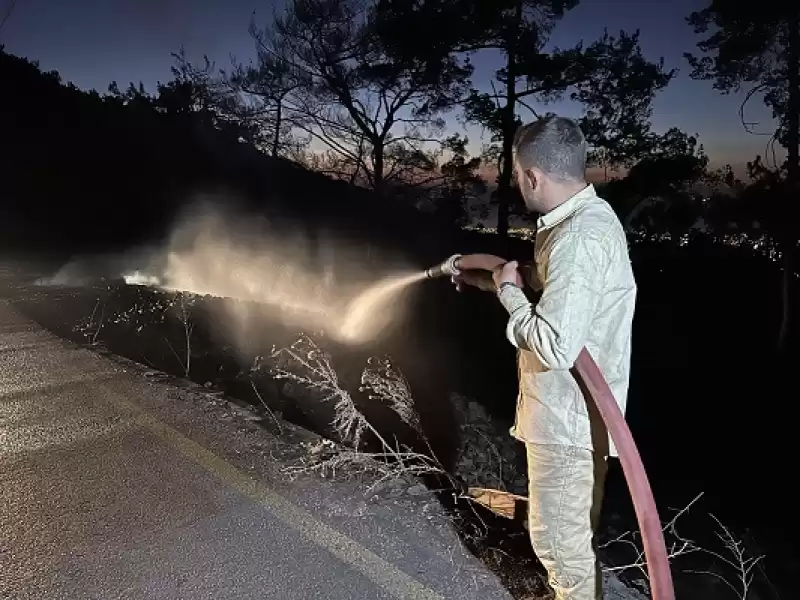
(534, 177)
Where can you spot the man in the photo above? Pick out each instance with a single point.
(587, 300)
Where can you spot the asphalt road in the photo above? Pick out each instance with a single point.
(116, 486)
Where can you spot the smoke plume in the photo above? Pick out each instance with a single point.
(308, 282)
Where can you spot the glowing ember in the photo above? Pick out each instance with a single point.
(139, 278)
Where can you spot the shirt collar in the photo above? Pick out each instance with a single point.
(565, 209)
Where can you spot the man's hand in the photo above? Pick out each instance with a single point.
(508, 273)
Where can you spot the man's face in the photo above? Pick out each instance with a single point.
(528, 183)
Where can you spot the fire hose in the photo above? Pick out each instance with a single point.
(591, 379)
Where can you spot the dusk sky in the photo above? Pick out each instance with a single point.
(92, 43)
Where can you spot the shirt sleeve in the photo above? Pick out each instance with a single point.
(556, 328)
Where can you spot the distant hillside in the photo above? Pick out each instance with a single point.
(87, 173)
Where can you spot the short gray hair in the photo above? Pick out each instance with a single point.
(556, 145)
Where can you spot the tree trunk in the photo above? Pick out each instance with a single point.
(276, 139)
(506, 172)
(357, 169)
(378, 182)
(504, 195)
(790, 229)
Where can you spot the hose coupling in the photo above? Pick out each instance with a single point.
(448, 268)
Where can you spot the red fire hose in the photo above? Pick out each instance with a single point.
(589, 376)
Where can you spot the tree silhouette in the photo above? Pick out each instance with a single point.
(206, 95)
(610, 77)
(674, 160)
(269, 85)
(339, 83)
(659, 185)
(458, 199)
(758, 47)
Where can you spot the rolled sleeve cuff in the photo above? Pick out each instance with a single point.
(512, 298)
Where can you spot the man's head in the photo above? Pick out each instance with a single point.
(549, 162)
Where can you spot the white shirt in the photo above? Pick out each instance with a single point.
(588, 299)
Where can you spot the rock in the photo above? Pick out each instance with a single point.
(615, 589)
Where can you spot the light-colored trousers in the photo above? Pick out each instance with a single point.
(565, 488)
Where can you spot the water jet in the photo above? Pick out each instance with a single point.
(369, 312)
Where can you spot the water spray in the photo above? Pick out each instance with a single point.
(591, 379)
(369, 312)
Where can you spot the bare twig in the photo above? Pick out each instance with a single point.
(737, 559)
(9, 11)
(383, 382)
(100, 322)
(735, 554)
(175, 354)
(188, 327)
(678, 546)
(748, 125)
(267, 408)
(308, 365)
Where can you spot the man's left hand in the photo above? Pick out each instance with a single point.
(508, 273)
